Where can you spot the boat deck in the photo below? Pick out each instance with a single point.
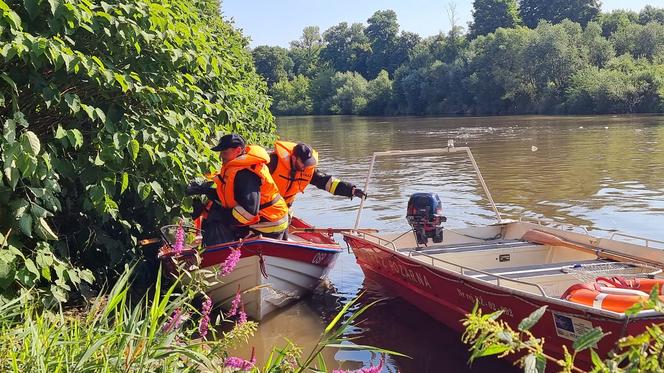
(520, 264)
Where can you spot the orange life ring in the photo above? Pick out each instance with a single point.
(603, 297)
(642, 284)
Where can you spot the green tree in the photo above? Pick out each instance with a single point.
(346, 48)
(305, 52)
(272, 63)
(552, 57)
(600, 50)
(107, 112)
(488, 15)
(382, 32)
(350, 89)
(617, 19)
(321, 90)
(379, 94)
(497, 76)
(651, 14)
(291, 97)
(641, 41)
(555, 11)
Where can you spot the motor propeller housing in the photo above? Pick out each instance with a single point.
(424, 214)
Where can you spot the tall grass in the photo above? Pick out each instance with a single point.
(110, 335)
(157, 333)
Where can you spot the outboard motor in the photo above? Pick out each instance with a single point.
(425, 216)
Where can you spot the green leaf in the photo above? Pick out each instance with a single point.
(493, 350)
(98, 161)
(123, 82)
(30, 266)
(32, 7)
(73, 276)
(532, 319)
(133, 147)
(75, 138)
(44, 230)
(144, 190)
(7, 271)
(19, 207)
(30, 142)
(597, 361)
(73, 102)
(10, 81)
(87, 276)
(12, 174)
(589, 339)
(55, 4)
(46, 273)
(156, 187)
(60, 133)
(39, 212)
(58, 293)
(26, 224)
(533, 364)
(124, 183)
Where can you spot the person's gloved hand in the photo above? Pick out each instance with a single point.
(195, 188)
(357, 192)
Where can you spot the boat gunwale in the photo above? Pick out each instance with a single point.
(328, 248)
(544, 298)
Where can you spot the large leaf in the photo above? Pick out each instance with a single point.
(133, 147)
(25, 222)
(532, 319)
(30, 143)
(589, 339)
(44, 230)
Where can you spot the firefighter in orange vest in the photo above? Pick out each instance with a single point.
(293, 167)
(243, 198)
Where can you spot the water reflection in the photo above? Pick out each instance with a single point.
(603, 173)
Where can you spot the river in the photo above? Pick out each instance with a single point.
(605, 173)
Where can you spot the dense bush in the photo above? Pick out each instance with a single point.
(108, 109)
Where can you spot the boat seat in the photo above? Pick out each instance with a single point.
(533, 270)
(476, 246)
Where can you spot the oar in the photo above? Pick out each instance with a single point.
(553, 240)
(332, 230)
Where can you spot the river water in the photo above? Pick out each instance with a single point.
(604, 173)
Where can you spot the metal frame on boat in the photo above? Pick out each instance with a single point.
(515, 266)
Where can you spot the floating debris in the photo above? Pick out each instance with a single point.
(533, 148)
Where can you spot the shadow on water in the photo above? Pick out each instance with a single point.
(396, 325)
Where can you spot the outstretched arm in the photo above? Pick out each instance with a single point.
(334, 185)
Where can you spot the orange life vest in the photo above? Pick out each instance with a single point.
(290, 181)
(273, 212)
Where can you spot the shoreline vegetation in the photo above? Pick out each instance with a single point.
(108, 110)
(517, 57)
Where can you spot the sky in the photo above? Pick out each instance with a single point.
(278, 22)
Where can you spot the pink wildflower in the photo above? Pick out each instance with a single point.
(243, 317)
(229, 264)
(174, 321)
(371, 369)
(235, 303)
(239, 363)
(205, 317)
(179, 239)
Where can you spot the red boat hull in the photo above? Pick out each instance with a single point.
(448, 298)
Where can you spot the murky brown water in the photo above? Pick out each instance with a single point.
(604, 173)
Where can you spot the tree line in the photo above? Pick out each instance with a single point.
(525, 57)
